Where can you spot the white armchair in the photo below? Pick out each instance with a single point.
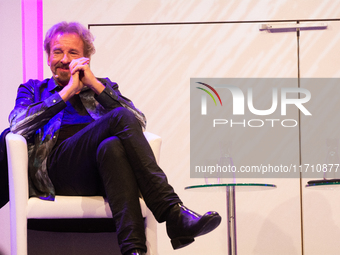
(64, 207)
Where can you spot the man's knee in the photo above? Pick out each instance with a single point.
(122, 112)
(111, 147)
(125, 117)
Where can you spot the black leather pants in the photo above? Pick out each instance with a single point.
(112, 154)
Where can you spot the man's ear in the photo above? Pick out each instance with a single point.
(48, 59)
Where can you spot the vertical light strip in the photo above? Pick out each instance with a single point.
(23, 40)
(204, 105)
(40, 50)
(32, 52)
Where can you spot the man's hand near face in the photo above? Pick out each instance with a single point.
(81, 75)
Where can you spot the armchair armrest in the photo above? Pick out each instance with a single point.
(18, 190)
(17, 167)
(155, 142)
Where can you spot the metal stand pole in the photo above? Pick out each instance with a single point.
(231, 216)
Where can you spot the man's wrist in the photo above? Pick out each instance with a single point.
(96, 86)
(66, 93)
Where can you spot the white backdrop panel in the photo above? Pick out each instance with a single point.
(320, 58)
(273, 224)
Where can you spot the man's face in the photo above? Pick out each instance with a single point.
(64, 48)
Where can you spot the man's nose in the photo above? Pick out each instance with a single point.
(65, 59)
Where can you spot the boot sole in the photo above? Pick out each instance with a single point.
(181, 242)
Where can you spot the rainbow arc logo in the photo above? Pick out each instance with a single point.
(204, 99)
(213, 90)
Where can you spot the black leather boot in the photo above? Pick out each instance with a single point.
(135, 252)
(183, 225)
